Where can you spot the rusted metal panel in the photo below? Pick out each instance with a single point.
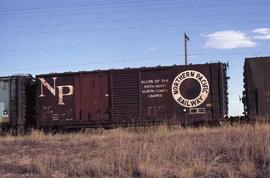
(90, 100)
(104, 98)
(256, 97)
(91, 109)
(77, 98)
(72, 100)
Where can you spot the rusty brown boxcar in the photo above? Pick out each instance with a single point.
(17, 102)
(138, 96)
(256, 95)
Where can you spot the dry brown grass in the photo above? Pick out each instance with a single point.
(239, 151)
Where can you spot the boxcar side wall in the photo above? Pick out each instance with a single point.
(175, 94)
(219, 90)
(178, 94)
(256, 95)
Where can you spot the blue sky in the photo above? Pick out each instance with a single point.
(38, 36)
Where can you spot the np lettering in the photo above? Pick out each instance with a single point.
(60, 91)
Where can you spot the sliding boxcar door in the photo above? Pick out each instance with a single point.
(90, 97)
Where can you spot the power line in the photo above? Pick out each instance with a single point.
(152, 7)
(111, 5)
(89, 63)
(135, 28)
(75, 47)
(93, 5)
(83, 46)
(136, 19)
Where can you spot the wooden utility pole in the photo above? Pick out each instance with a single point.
(186, 39)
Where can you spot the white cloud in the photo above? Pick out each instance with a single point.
(228, 40)
(262, 33)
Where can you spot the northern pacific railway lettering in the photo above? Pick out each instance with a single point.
(196, 100)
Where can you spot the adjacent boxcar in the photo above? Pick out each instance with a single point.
(256, 95)
(16, 102)
(172, 94)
